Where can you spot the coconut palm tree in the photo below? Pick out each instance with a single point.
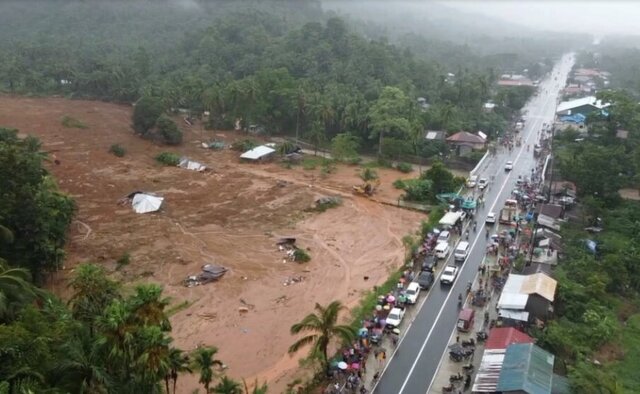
(15, 290)
(178, 362)
(147, 306)
(204, 362)
(323, 326)
(227, 386)
(82, 369)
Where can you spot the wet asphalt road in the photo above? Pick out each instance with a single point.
(412, 367)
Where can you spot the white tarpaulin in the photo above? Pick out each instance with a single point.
(143, 203)
(257, 153)
(191, 165)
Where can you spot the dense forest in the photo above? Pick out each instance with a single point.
(292, 69)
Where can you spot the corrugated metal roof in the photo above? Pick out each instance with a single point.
(513, 301)
(589, 100)
(540, 284)
(502, 337)
(257, 152)
(513, 315)
(513, 284)
(489, 371)
(528, 368)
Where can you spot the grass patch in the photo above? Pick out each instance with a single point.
(627, 369)
(117, 150)
(404, 167)
(123, 261)
(399, 184)
(179, 307)
(313, 162)
(168, 159)
(301, 256)
(68, 121)
(368, 303)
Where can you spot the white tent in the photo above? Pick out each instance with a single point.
(257, 153)
(143, 203)
(191, 165)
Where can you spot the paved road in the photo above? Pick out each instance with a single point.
(413, 366)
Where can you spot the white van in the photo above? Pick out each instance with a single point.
(461, 252)
(442, 250)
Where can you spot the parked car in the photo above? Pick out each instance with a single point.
(444, 236)
(472, 181)
(491, 218)
(449, 274)
(425, 280)
(508, 166)
(395, 317)
(429, 263)
(412, 292)
(442, 250)
(482, 183)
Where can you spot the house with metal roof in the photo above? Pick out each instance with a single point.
(528, 369)
(584, 106)
(500, 338)
(527, 297)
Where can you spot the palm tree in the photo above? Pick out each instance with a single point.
(15, 289)
(117, 335)
(152, 353)
(324, 328)
(178, 362)
(257, 389)
(228, 386)
(147, 306)
(203, 362)
(82, 368)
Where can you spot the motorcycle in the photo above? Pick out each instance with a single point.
(456, 378)
(448, 389)
(481, 336)
(468, 369)
(468, 343)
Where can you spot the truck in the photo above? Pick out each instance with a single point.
(508, 212)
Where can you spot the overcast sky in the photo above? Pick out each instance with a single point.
(598, 17)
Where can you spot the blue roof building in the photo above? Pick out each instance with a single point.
(527, 369)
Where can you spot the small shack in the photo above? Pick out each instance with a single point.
(259, 153)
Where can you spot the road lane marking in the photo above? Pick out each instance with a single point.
(546, 104)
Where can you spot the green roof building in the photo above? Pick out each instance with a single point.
(527, 369)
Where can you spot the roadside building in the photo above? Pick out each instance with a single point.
(464, 142)
(584, 106)
(499, 339)
(550, 215)
(526, 298)
(514, 80)
(528, 369)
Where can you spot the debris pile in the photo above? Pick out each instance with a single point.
(210, 273)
